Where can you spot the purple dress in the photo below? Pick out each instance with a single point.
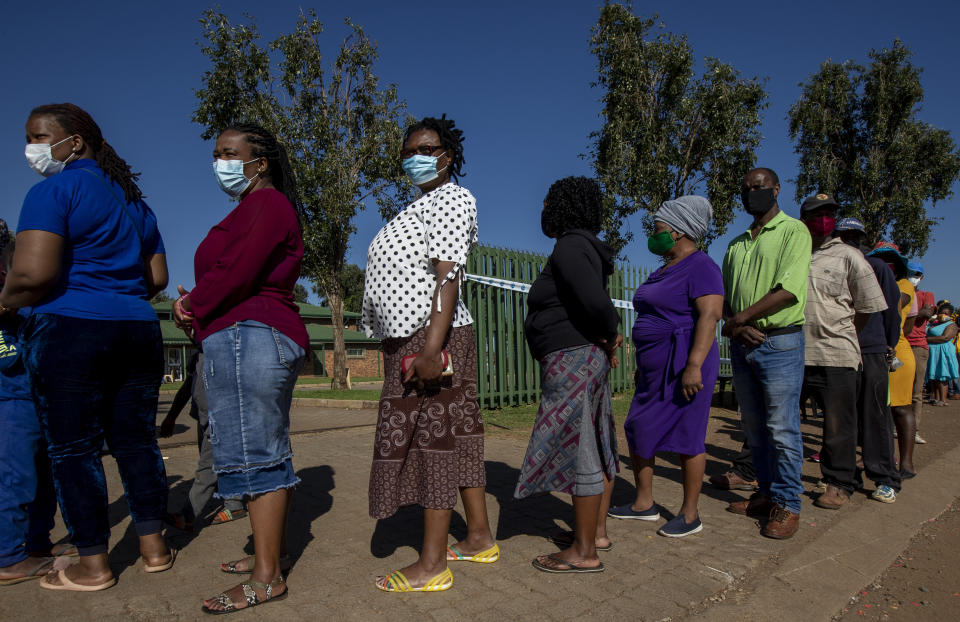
(661, 418)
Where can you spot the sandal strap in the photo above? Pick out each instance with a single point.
(399, 582)
(441, 580)
(232, 566)
(453, 551)
(225, 601)
(250, 594)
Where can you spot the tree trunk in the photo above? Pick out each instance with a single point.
(335, 300)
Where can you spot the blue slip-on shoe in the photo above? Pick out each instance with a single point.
(884, 494)
(677, 527)
(625, 511)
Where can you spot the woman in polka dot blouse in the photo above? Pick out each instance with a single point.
(429, 438)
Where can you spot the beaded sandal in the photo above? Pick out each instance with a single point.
(249, 594)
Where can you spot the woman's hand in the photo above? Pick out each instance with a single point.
(166, 427)
(426, 369)
(182, 315)
(691, 381)
(611, 349)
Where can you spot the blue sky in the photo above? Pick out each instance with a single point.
(514, 75)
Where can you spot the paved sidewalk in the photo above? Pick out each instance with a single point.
(727, 572)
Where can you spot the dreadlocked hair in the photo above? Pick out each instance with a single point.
(266, 145)
(573, 203)
(450, 137)
(75, 120)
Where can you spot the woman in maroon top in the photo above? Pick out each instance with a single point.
(243, 315)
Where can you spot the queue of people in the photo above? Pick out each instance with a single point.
(80, 362)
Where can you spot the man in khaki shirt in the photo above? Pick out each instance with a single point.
(842, 291)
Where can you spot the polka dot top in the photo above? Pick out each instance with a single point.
(400, 277)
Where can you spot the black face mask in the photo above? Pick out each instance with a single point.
(758, 202)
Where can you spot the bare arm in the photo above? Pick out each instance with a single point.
(156, 275)
(36, 268)
(710, 309)
(428, 365)
(948, 334)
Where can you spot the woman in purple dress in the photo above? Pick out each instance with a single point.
(678, 307)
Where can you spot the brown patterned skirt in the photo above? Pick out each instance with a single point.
(428, 444)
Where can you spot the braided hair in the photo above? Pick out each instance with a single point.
(450, 137)
(265, 145)
(75, 120)
(572, 203)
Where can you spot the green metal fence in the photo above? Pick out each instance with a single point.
(507, 375)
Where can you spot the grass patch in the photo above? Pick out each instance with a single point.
(355, 394)
(521, 418)
(171, 386)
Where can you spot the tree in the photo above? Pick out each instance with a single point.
(857, 134)
(161, 297)
(300, 293)
(351, 284)
(341, 129)
(667, 133)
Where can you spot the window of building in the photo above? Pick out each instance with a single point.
(355, 353)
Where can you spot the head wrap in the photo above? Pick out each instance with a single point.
(689, 215)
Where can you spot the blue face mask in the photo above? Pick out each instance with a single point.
(421, 168)
(230, 176)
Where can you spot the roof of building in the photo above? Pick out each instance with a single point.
(319, 335)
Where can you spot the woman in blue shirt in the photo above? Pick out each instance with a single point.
(88, 259)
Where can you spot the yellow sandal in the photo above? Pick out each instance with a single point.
(396, 582)
(483, 557)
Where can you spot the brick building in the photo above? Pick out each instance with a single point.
(364, 358)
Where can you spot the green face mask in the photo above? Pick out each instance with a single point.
(660, 243)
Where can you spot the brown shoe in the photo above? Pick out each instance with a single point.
(782, 524)
(731, 481)
(833, 499)
(757, 506)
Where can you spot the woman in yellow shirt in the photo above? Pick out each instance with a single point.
(901, 378)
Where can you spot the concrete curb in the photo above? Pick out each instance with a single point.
(319, 402)
(816, 581)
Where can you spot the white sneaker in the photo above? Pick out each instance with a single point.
(884, 494)
(919, 439)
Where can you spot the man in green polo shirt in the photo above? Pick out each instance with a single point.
(765, 283)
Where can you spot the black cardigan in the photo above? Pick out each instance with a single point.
(568, 305)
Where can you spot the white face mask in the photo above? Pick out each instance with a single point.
(230, 176)
(40, 158)
(915, 280)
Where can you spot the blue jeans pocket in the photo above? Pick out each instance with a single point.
(289, 354)
(785, 343)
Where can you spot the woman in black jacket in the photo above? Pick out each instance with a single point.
(572, 328)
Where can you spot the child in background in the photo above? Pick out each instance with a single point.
(942, 366)
(27, 498)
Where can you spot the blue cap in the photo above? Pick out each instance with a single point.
(915, 266)
(850, 224)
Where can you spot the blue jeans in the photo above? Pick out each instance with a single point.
(96, 380)
(27, 499)
(249, 372)
(768, 379)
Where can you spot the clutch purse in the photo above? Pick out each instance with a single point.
(407, 361)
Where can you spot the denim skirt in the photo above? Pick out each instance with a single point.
(249, 372)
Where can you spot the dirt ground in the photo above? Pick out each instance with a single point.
(923, 583)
